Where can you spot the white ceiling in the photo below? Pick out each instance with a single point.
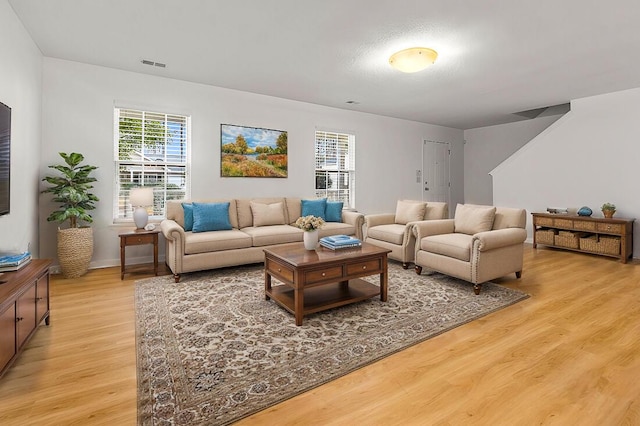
(496, 57)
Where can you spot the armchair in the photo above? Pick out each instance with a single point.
(479, 244)
(393, 231)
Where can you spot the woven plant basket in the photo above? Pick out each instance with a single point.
(75, 248)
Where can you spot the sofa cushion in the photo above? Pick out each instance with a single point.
(473, 219)
(205, 242)
(294, 209)
(277, 234)
(457, 246)
(210, 217)
(392, 233)
(245, 215)
(175, 211)
(314, 207)
(188, 216)
(267, 214)
(409, 211)
(333, 211)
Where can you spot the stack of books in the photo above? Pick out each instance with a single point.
(13, 262)
(339, 241)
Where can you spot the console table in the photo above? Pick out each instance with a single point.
(604, 236)
(24, 304)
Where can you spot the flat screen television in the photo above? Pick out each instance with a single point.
(5, 158)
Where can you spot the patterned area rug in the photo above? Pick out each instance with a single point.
(212, 350)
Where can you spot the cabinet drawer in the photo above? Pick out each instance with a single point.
(543, 221)
(563, 223)
(139, 239)
(371, 266)
(610, 227)
(584, 225)
(323, 275)
(279, 270)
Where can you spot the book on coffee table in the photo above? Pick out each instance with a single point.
(335, 242)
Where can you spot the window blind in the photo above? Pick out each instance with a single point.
(335, 167)
(151, 150)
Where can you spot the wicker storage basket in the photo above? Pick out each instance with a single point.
(75, 248)
(567, 239)
(604, 245)
(545, 236)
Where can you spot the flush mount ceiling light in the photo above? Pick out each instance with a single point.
(413, 59)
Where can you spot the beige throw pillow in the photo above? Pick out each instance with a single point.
(409, 211)
(473, 219)
(267, 214)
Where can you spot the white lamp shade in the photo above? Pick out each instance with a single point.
(141, 197)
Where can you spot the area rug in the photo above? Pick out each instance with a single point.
(212, 350)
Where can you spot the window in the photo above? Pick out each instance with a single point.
(335, 167)
(150, 150)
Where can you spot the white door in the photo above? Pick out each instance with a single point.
(435, 171)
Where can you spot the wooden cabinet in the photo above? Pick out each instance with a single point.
(24, 304)
(604, 236)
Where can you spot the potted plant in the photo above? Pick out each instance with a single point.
(71, 189)
(608, 209)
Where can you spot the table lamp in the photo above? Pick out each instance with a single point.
(140, 199)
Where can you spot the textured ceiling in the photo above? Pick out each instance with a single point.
(495, 57)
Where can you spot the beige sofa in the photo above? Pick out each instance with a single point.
(479, 244)
(394, 231)
(243, 244)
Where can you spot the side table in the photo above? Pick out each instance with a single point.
(138, 237)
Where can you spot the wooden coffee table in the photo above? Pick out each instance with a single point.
(321, 279)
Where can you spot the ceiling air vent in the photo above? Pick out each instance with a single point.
(152, 63)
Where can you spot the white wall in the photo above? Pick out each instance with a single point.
(586, 158)
(78, 103)
(21, 89)
(486, 147)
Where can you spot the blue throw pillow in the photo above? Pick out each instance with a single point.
(211, 217)
(188, 216)
(333, 212)
(314, 207)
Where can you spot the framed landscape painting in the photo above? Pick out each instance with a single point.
(252, 152)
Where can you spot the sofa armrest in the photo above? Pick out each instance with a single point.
(173, 233)
(354, 218)
(425, 228)
(371, 220)
(490, 240)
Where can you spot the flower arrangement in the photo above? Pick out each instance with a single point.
(309, 223)
(608, 206)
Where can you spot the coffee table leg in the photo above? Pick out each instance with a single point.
(383, 282)
(298, 302)
(267, 285)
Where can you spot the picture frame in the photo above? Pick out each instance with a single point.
(253, 152)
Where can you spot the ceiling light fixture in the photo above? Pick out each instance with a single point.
(413, 59)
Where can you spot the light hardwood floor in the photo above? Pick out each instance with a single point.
(570, 354)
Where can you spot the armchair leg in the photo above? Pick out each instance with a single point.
(405, 266)
(418, 269)
(176, 277)
(476, 288)
(519, 274)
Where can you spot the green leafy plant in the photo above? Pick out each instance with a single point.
(608, 207)
(71, 189)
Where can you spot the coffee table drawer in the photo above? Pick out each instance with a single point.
(370, 267)
(323, 274)
(280, 270)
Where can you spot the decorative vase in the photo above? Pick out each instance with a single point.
(585, 211)
(608, 213)
(310, 239)
(75, 248)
